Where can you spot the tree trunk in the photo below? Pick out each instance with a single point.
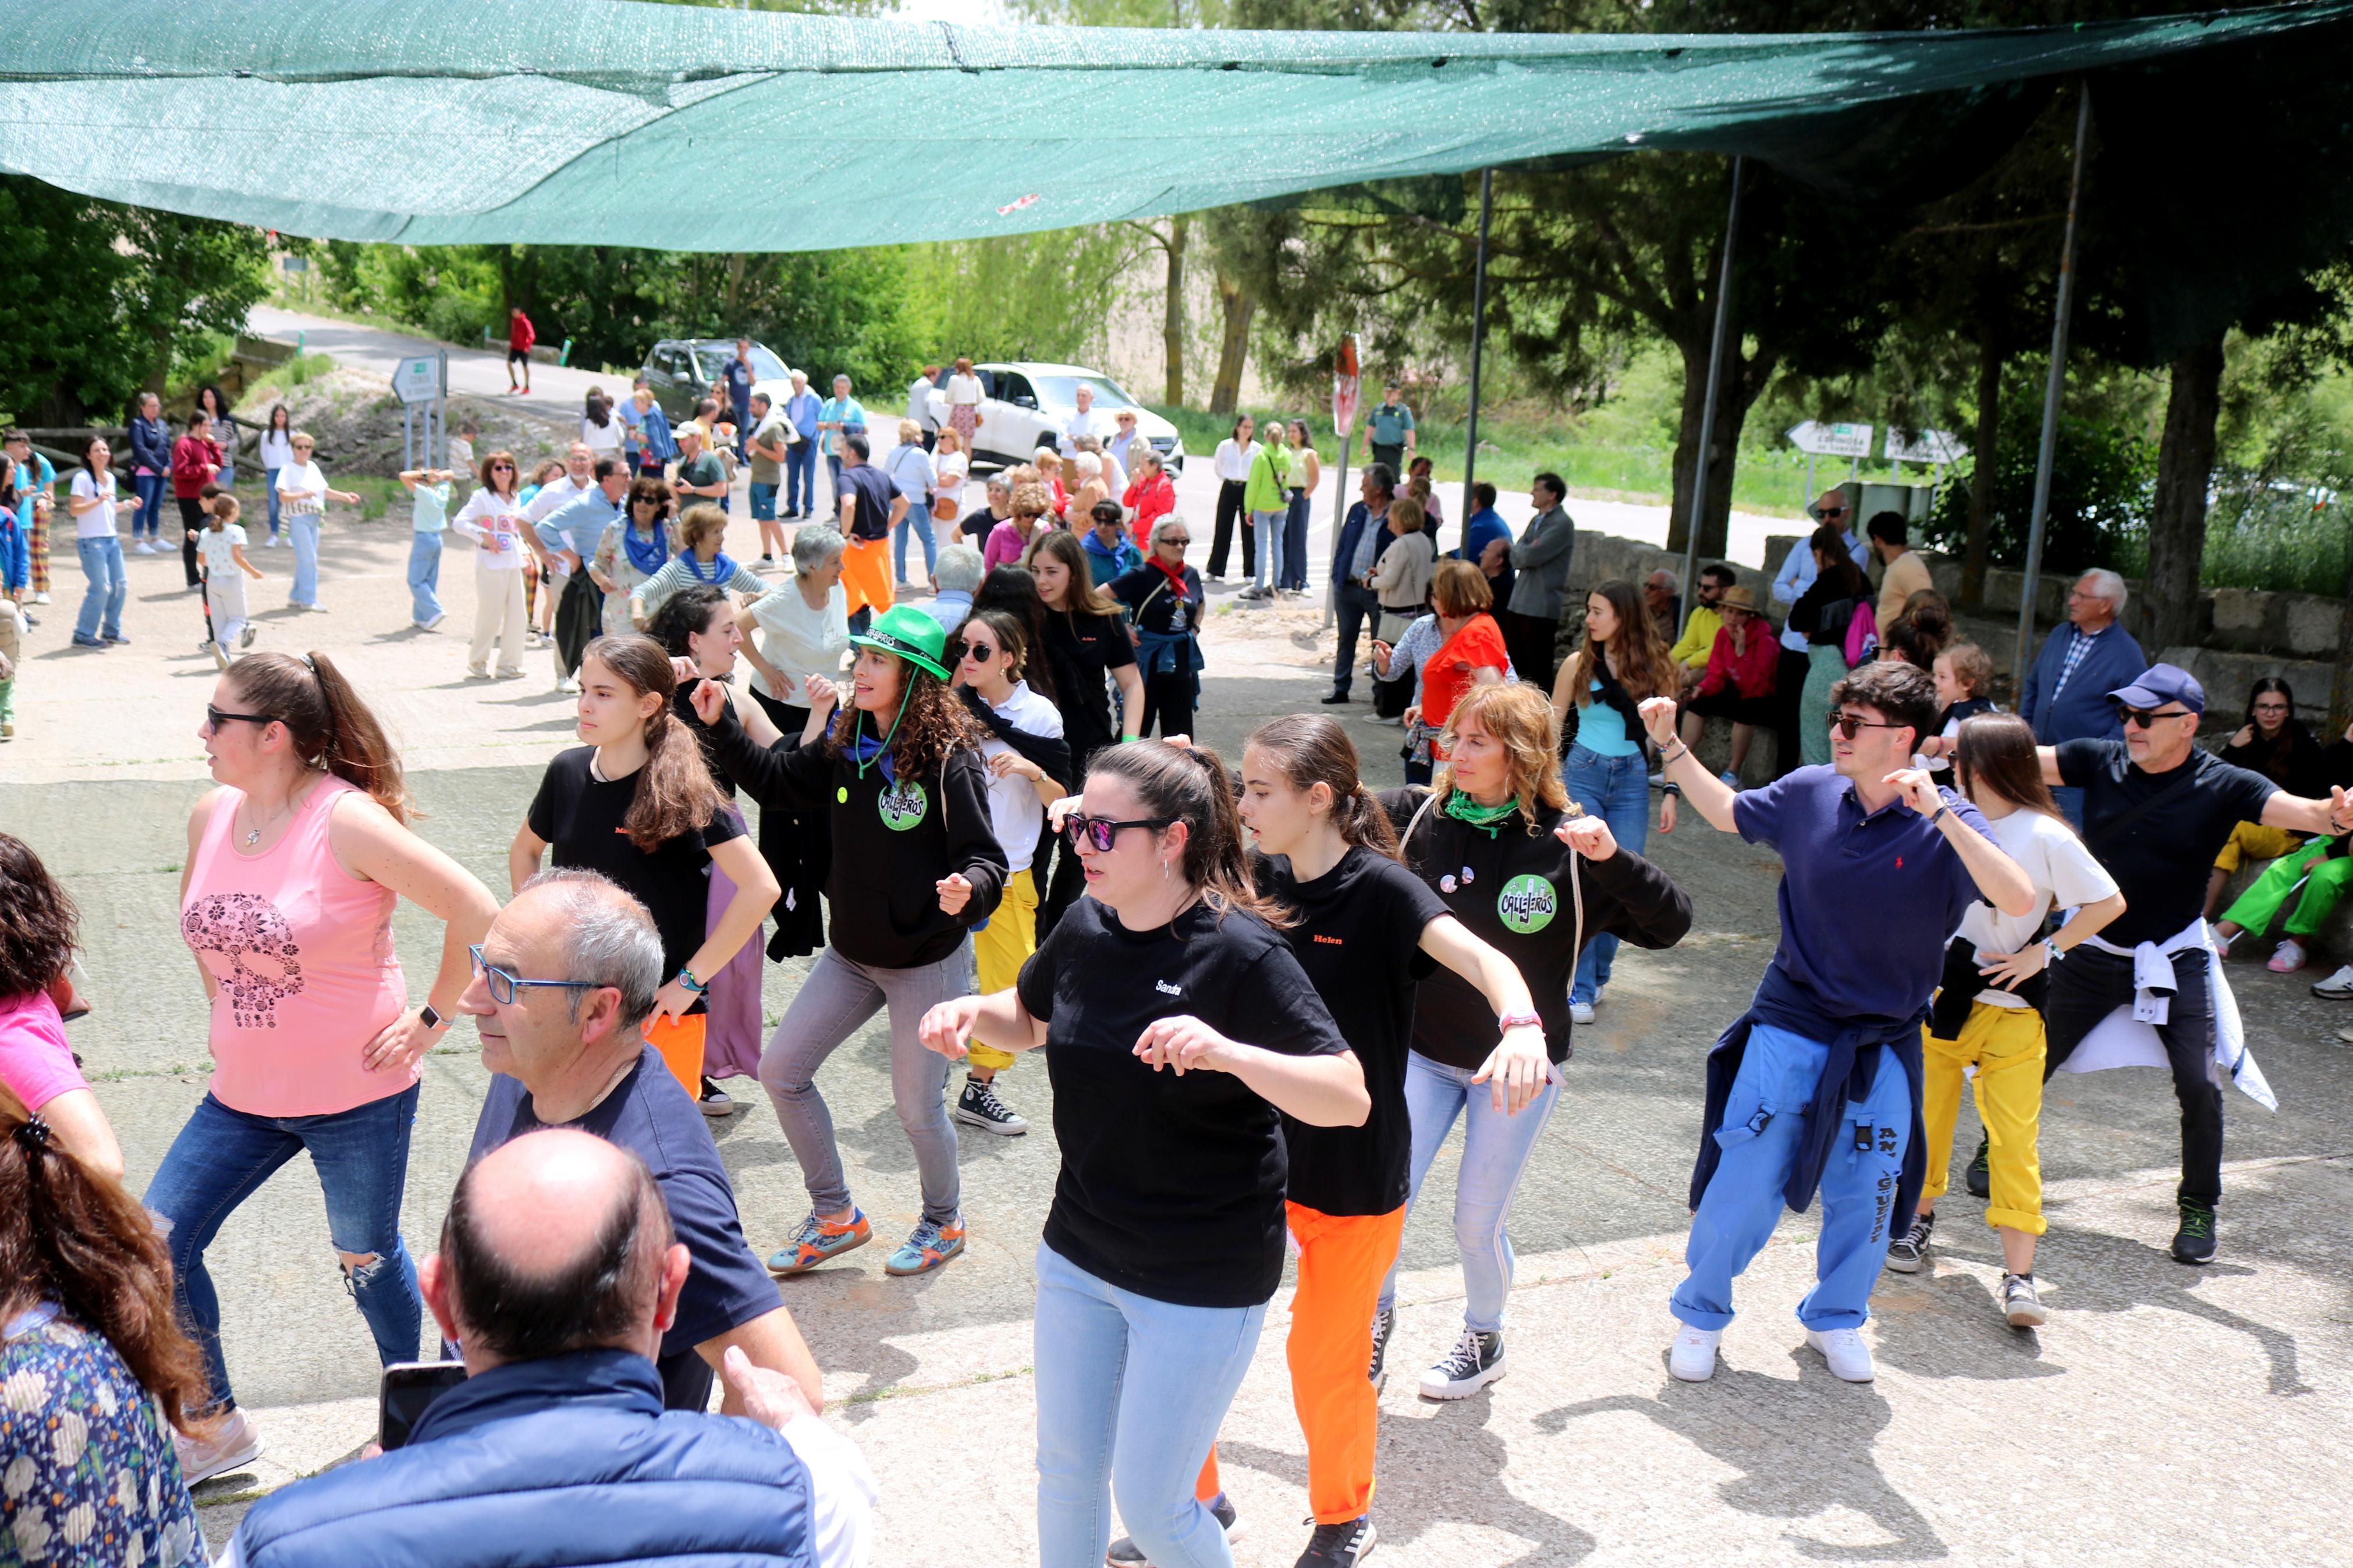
(1733, 398)
(734, 285)
(1233, 346)
(1172, 322)
(1981, 461)
(2185, 466)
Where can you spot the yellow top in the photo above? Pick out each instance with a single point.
(1698, 639)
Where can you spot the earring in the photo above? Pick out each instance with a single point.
(1164, 870)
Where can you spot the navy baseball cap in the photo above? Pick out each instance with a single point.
(2160, 684)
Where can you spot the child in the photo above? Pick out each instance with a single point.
(461, 448)
(12, 628)
(221, 548)
(426, 519)
(1962, 673)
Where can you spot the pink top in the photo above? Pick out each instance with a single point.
(1004, 545)
(301, 953)
(36, 1063)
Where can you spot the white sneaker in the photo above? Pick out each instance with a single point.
(270, 542)
(40, 598)
(234, 1446)
(1580, 1012)
(1691, 1358)
(142, 548)
(566, 685)
(1843, 1349)
(2288, 957)
(2337, 987)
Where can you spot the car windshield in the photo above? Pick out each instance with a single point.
(765, 366)
(1062, 391)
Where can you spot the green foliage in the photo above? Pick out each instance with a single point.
(1025, 296)
(301, 368)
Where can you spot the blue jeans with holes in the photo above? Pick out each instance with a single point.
(1618, 791)
(1130, 1394)
(222, 1157)
(1763, 1119)
(1495, 1149)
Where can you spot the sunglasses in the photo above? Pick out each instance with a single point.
(1850, 726)
(1103, 831)
(502, 468)
(1179, 540)
(2144, 718)
(215, 718)
(960, 651)
(504, 985)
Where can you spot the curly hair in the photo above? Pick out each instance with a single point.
(1517, 715)
(931, 726)
(38, 921)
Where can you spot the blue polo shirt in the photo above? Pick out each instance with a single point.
(848, 413)
(1867, 900)
(579, 525)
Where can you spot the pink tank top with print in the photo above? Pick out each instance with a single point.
(300, 954)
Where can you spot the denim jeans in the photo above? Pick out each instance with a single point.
(764, 503)
(1354, 605)
(227, 475)
(150, 488)
(271, 493)
(302, 533)
(800, 478)
(918, 520)
(424, 576)
(222, 1157)
(833, 466)
(1130, 1394)
(1495, 1149)
(1295, 542)
(1269, 527)
(102, 603)
(1764, 1116)
(1618, 791)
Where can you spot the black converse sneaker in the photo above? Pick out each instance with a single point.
(979, 1107)
(1384, 1325)
(2020, 1303)
(1342, 1545)
(1476, 1360)
(1909, 1255)
(1125, 1554)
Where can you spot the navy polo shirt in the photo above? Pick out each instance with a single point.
(1867, 900)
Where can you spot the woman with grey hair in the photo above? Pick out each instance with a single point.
(1164, 600)
(804, 630)
(981, 520)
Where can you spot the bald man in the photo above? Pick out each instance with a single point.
(564, 982)
(559, 1277)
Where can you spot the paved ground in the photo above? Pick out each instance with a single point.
(2164, 1415)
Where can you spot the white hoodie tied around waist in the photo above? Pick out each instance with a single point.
(2127, 1037)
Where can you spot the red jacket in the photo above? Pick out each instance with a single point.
(1749, 674)
(520, 335)
(193, 464)
(1151, 505)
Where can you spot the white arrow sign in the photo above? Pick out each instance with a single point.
(1832, 441)
(417, 380)
(1933, 447)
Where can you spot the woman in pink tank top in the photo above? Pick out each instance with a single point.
(294, 867)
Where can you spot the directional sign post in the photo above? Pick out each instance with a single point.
(422, 384)
(1817, 439)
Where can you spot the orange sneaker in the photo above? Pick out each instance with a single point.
(932, 1245)
(820, 1239)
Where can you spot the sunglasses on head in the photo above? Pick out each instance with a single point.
(1848, 725)
(1103, 831)
(2143, 717)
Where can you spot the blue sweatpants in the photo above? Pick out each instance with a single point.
(1763, 1122)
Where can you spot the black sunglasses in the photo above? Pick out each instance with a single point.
(960, 651)
(2144, 718)
(1103, 830)
(1848, 726)
(1179, 539)
(216, 717)
(504, 985)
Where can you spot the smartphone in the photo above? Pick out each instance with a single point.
(409, 1386)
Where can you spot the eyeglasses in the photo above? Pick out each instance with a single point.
(504, 985)
(1848, 725)
(215, 718)
(1103, 830)
(2144, 718)
(960, 651)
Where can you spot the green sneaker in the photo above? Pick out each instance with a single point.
(1979, 1177)
(932, 1245)
(2194, 1242)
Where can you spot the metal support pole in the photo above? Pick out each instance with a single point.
(1714, 378)
(2051, 391)
(1339, 518)
(1478, 341)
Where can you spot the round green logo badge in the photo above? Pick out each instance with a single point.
(1527, 904)
(903, 806)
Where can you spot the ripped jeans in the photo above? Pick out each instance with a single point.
(223, 1156)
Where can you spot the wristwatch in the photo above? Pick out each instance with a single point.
(428, 1017)
(686, 978)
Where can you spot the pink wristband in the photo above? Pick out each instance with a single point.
(1510, 1021)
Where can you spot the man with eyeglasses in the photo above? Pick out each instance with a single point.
(563, 985)
(2157, 810)
(1818, 1085)
(1789, 585)
(2067, 694)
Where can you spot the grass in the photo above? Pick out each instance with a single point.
(284, 378)
(2280, 541)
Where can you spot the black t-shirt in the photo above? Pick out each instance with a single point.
(581, 817)
(650, 1116)
(2160, 860)
(1171, 1187)
(1082, 650)
(1359, 941)
(871, 518)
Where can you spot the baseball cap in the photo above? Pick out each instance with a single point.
(2160, 684)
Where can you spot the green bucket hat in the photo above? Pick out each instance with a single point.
(908, 633)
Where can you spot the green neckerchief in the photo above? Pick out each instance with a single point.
(1488, 819)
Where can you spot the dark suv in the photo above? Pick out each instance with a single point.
(683, 369)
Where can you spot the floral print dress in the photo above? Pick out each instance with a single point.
(87, 1474)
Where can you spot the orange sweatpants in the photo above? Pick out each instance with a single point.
(1342, 1261)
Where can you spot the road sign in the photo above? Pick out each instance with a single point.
(1935, 447)
(1818, 439)
(417, 380)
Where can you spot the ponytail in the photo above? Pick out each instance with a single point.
(72, 1237)
(1192, 786)
(1309, 749)
(330, 728)
(676, 795)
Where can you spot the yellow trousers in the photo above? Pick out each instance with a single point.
(2005, 1046)
(2254, 841)
(999, 950)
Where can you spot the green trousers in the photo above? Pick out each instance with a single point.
(2254, 909)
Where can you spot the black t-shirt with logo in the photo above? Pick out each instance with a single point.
(1359, 941)
(2161, 860)
(581, 817)
(1081, 651)
(1171, 1187)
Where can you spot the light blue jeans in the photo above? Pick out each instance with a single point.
(271, 489)
(1130, 1395)
(101, 603)
(1495, 1149)
(1763, 1119)
(1269, 527)
(1618, 791)
(302, 533)
(424, 576)
(918, 519)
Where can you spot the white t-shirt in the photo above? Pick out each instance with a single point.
(303, 477)
(277, 448)
(1095, 422)
(98, 522)
(218, 546)
(604, 440)
(2064, 875)
(495, 525)
(952, 468)
(1018, 816)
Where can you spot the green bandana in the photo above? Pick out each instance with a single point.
(1489, 819)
